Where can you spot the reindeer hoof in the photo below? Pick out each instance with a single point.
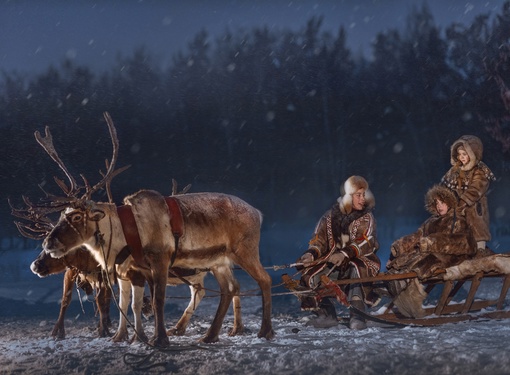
(267, 335)
(236, 331)
(209, 339)
(104, 332)
(140, 337)
(120, 337)
(58, 334)
(176, 331)
(160, 342)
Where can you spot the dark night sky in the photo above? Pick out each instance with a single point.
(35, 34)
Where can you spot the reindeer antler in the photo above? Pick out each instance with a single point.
(110, 165)
(40, 225)
(175, 190)
(37, 214)
(47, 144)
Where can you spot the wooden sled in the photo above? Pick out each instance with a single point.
(446, 308)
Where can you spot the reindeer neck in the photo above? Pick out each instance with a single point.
(106, 243)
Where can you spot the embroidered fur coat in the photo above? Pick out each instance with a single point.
(470, 183)
(351, 232)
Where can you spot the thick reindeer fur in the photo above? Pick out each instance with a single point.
(152, 220)
(499, 263)
(219, 230)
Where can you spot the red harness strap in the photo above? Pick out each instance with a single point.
(127, 219)
(176, 223)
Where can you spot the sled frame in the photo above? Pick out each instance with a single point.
(446, 310)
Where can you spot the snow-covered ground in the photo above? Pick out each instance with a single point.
(29, 308)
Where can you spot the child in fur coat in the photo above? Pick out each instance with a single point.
(442, 241)
(469, 179)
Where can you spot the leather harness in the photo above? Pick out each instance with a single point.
(134, 244)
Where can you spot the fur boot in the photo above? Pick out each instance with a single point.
(409, 301)
(356, 321)
(326, 316)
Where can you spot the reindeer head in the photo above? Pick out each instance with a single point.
(77, 226)
(79, 215)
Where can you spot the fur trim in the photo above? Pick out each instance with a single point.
(474, 148)
(494, 263)
(443, 194)
(350, 186)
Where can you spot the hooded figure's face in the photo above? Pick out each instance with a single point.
(463, 156)
(358, 199)
(441, 207)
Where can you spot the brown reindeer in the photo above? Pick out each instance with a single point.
(192, 231)
(83, 267)
(79, 266)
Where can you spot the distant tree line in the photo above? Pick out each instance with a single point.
(278, 118)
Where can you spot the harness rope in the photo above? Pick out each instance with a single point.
(136, 363)
(139, 361)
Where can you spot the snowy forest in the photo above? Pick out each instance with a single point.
(277, 118)
(280, 118)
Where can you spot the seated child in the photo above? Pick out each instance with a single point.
(443, 240)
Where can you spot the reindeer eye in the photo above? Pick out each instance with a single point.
(76, 217)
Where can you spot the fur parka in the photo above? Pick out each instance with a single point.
(352, 232)
(470, 183)
(440, 242)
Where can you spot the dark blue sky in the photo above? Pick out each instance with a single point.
(35, 34)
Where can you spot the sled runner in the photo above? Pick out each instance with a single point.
(452, 295)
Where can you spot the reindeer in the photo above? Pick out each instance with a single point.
(79, 266)
(210, 231)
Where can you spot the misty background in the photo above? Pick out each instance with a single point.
(277, 104)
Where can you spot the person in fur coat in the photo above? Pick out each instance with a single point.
(469, 179)
(443, 240)
(343, 245)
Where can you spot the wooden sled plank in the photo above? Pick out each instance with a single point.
(475, 283)
(504, 291)
(445, 296)
(444, 319)
(445, 311)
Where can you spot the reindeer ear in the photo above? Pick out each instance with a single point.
(96, 214)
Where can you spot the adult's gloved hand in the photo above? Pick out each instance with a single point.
(337, 258)
(306, 259)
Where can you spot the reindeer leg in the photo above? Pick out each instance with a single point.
(138, 287)
(103, 298)
(159, 267)
(197, 293)
(238, 328)
(124, 292)
(136, 306)
(257, 272)
(67, 294)
(229, 288)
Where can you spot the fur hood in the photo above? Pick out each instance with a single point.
(474, 148)
(443, 194)
(350, 186)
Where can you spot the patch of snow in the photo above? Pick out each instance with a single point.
(29, 309)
